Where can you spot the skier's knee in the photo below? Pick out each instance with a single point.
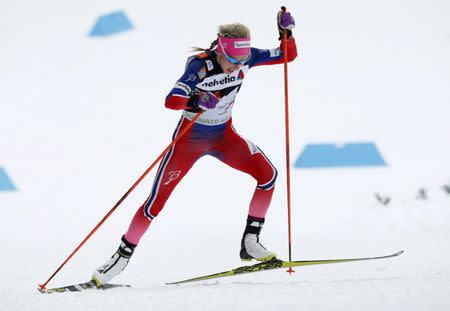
(267, 185)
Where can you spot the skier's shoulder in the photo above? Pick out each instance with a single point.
(201, 63)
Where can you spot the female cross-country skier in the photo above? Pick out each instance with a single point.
(210, 83)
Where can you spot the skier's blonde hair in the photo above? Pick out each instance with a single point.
(235, 30)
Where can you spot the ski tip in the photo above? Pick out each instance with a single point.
(399, 253)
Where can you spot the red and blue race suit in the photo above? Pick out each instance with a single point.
(212, 134)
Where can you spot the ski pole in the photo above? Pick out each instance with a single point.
(182, 132)
(286, 120)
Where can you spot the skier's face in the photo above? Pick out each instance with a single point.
(226, 65)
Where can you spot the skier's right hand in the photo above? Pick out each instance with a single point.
(206, 101)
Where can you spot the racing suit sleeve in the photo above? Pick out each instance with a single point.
(274, 56)
(181, 95)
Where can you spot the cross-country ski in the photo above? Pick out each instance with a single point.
(91, 285)
(277, 264)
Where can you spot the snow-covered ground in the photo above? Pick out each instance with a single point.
(82, 118)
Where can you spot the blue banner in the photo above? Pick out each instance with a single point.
(344, 155)
(5, 182)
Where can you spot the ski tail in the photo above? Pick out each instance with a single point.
(277, 264)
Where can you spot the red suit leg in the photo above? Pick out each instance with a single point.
(245, 156)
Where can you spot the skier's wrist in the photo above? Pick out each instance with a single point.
(191, 105)
(288, 33)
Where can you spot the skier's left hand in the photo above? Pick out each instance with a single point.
(285, 20)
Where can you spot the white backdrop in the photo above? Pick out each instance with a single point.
(81, 118)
